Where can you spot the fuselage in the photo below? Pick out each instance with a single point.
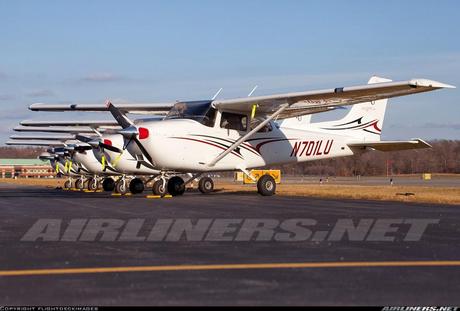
(188, 146)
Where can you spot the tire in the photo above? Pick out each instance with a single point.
(176, 186)
(108, 184)
(93, 184)
(206, 185)
(158, 188)
(67, 184)
(121, 187)
(266, 185)
(136, 186)
(79, 184)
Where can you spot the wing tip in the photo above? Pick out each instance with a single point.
(431, 83)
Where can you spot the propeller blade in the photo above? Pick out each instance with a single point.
(119, 116)
(84, 139)
(143, 150)
(111, 148)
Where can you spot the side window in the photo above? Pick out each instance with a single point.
(256, 121)
(233, 121)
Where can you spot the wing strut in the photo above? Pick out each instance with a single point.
(248, 135)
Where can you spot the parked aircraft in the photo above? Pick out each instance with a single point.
(241, 134)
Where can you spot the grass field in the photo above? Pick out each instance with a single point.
(422, 194)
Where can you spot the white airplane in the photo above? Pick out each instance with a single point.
(107, 157)
(240, 134)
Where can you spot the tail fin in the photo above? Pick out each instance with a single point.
(363, 121)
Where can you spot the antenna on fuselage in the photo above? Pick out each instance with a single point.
(217, 94)
(253, 90)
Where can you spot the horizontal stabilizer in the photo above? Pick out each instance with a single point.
(391, 145)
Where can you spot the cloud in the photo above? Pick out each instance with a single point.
(450, 126)
(5, 97)
(101, 77)
(40, 93)
(3, 76)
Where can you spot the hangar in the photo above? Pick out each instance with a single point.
(25, 168)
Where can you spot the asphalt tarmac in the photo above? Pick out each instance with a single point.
(191, 270)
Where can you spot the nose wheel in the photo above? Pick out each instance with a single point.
(93, 184)
(160, 187)
(79, 183)
(121, 187)
(68, 184)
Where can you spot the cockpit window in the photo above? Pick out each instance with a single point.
(200, 111)
(233, 121)
(256, 121)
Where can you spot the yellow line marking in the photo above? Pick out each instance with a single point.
(153, 197)
(116, 194)
(168, 196)
(305, 265)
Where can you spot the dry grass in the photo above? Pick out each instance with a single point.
(49, 182)
(440, 195)
(423, 194)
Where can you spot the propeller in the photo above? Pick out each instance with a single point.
(131, 133)
(99, 143)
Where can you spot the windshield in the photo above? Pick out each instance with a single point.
(200, 111)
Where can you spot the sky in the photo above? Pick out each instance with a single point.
(162, 51)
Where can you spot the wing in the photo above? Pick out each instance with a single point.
(392, 145)
(53, 129)
(305, 103)
(155, 109)
(60, 138)
(34, 143)
(91, 123)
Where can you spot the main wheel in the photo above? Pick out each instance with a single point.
(68, 184)
(266, 185)
(108, 184)
(121, 187)
(79, 184)
(93, 184)
(176, 186)
(158, 188)
(206, 185)
(136, 186)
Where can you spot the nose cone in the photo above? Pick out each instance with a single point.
(129, 131)
(94, 143)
